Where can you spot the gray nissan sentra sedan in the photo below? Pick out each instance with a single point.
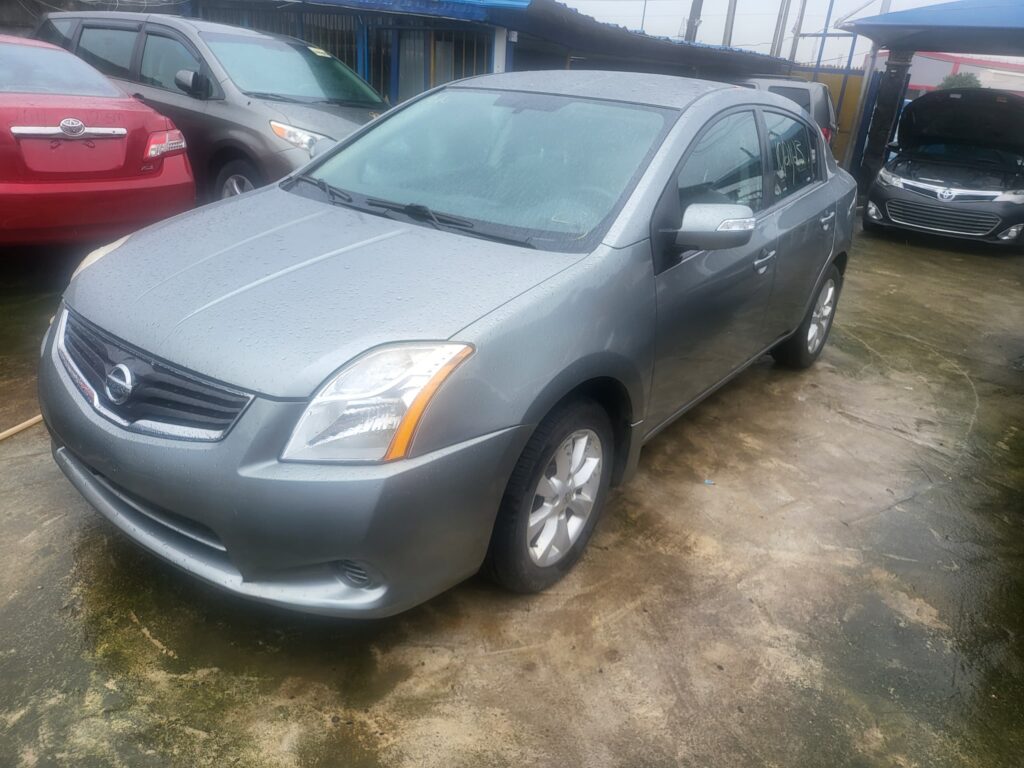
(436, 347)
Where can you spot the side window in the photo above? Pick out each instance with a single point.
(162, 58)
(794, 155)
(725, 165)
(56, 31)
(109, 50)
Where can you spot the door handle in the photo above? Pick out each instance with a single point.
(826, 219)
(761, 264)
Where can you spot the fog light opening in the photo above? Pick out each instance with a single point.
(354, 574)
(873, 212)
(1012, 233)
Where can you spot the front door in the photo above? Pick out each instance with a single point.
(711, 304)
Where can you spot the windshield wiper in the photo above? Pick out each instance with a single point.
(335, 195)
(275, 97)
(445, 221)
(421, 212)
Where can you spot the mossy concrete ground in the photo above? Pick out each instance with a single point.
(813, 569)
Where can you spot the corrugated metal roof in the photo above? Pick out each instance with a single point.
(967, 26)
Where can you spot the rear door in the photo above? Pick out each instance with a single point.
(711, 304)
(805, 214)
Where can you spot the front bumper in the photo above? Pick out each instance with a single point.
(939, 218)
(78, 211)
(232, 514)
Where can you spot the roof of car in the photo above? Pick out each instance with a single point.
(635, 87)
(13, 40)
(171, 20)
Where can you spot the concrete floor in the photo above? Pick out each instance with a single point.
(847, 592)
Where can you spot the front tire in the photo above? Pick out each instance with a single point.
(236, 177)
(804, 347)
(553, 499)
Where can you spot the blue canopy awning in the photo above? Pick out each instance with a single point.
(967, 26)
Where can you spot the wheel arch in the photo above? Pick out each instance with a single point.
(616, 386)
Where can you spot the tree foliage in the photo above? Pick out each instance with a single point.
(960, 80)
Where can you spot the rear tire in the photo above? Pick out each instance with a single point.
(553, 499)
(804, 347)
(235, 178)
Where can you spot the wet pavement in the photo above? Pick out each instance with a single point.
(813, 569)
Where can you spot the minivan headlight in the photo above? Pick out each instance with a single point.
(296, 136)
(370, 409)
(889, 179)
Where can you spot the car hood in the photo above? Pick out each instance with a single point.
(979, 117)
(272, 291)
(332, 120)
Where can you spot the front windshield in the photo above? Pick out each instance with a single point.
(548, 169)
(289, 69)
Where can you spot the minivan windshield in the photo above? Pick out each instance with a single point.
(289, 70)
(541, 169)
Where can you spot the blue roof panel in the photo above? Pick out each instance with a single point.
(966, 26)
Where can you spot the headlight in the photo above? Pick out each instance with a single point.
(1016, 196)
(889, 179)
(370, 409)
(98, 254)
(302, 139)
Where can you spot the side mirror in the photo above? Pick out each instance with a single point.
(192, 83)
(893, 146)
(714, 226)
(322, 147)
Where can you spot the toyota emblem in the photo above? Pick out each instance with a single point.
(119, 384)
(72, 126)
(947, 194)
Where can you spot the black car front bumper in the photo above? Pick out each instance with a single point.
(981, 221)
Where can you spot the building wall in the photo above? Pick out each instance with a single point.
(399, 55)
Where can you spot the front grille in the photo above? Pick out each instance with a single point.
(163, 400)
(932, 193)
(941, 218)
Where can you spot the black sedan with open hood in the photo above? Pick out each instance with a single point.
(957, 168)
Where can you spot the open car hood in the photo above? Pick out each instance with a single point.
(979, 117)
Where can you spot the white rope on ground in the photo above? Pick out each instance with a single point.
(21, 427)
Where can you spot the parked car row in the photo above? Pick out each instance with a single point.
(154, 112)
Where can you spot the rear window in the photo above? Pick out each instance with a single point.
(109, 50)
(800, 95)
(30, 69)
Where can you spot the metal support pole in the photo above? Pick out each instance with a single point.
(824, 38)
(730, 21)
(643, 16)
(797, 29)
(887, 109)
(693, 21)
(780, 28)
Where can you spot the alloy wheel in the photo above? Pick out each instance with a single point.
(236, 184)
(821, 316)
(564, 497)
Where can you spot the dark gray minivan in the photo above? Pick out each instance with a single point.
(251, 105)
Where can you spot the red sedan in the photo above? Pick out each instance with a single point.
(79, 159)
